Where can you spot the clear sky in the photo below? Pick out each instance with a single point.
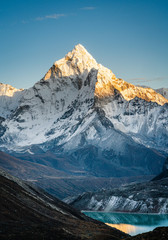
(128, 36)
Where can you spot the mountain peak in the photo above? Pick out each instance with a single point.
(80, 54)
(76, 62)
(8, 90)
(79, 62)
(9, 99)
(80, 48)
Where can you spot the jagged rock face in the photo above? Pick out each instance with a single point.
(127, 90)
(81, 110)
(146, 122)
(9, 101)
(57, 102)
(149, 197)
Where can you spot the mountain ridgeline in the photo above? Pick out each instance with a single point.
(90, 121)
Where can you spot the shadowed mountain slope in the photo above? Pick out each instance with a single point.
(30, 213)
(42, 170)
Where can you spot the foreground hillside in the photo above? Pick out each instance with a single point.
(30, 213)
(157, 234)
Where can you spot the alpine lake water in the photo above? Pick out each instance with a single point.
(131, 223)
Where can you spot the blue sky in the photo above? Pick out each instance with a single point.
(128, 36)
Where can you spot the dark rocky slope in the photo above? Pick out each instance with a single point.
(160, 233)
(164, 173)
(30, 213)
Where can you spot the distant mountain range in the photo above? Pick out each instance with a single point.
(81, 121)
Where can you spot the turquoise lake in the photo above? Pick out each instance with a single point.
(130, 223)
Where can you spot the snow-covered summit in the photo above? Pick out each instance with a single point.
(79, 61)
(8, 90)
(76, 62)
(75, 96)
(9, 99)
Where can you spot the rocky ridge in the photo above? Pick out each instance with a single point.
(148, 197)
